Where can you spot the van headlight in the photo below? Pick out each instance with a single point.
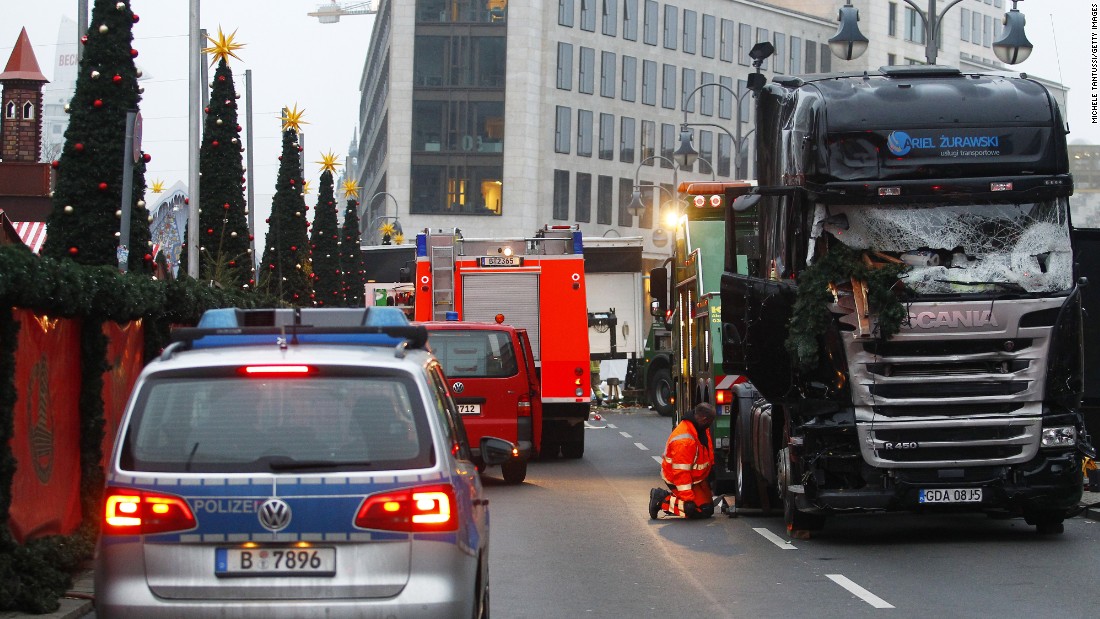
(1060, 436)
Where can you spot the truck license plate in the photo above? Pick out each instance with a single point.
(469, 409)
(319, 561)
(951, 495)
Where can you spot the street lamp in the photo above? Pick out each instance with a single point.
(369, 209)
(685, 153)
(374, 226)
(849, 43)
(636, 208)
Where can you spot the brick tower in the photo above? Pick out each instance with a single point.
(24, 182)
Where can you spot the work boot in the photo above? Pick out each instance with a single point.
(657, 497)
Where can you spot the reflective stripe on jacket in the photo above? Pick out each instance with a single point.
(687, 463)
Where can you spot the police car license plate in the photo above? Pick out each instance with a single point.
(469, 409)
(951, 495)
(314, 561)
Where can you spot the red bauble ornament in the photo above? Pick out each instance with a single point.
(148, 257)
(136, 18)
(251, 237)
(232, 263)
(84, 40)
(280, 157)
(73, 251)
(116, 79)
(238, 127)
(55, 164)
(293, 248)
(210, 231)
(221, 78)
(292, 181)
(187, 200)
(226, 206)
(133, 53)
(97, 103)
(214, 143)
(299, 149)
(271, 266)
(146, 157)
(103, 186)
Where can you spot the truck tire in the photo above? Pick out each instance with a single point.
(747, 492)
(659, 392)
(514, 471)
(573, 446)
(785, 472)
(1047, 522)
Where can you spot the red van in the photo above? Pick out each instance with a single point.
(490, 370)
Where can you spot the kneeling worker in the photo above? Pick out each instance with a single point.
(688, 459)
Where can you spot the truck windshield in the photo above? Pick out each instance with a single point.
(962, 248)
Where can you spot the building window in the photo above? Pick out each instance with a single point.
(706, 150)
(630, 20)
(742, 108)
(708, 36)
(892, 19)
(607, 74)
(668, 144)
(795, 63)
(649, 82)
(744, 44)
(28, 111)
(987, 32)
(584, 197)
(826, 58)
(457, 190)
(891, 59)
(706, 95)
(668, 87)
(725, 97)
(562, 129)
(450, 126)
(627, 139)
(605, 200)
(914, 27)
(561, 195)
(587, 82)
(566, 11)
(688, 83)
(671, 31)
(779, 64)
(811, 56)
(9, 109)
(565, 66)
(725, 147)
(762, 35)
(691, 34)
(964, 33)
(976, 28)
(607, 137)
(584, 133)
(649, 23)
(649, 141)
(610, 17)
(626, 194)
(630, 79)
(588, 15)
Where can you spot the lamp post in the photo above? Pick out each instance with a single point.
(636, 208)
(369, 210)
(374, 226)
(849, 43)
(685, 153)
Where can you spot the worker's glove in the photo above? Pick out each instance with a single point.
(692, 511)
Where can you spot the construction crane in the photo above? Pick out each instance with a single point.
(330, 13)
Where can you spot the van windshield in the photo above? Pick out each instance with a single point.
(962, 248)
(474, 353)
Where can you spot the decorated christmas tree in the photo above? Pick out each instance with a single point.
(224, 241)
(328, 285)
(352, 256)
(84, 224)
(284, 270)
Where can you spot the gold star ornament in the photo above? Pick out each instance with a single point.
(292, 118)
(351, 189)
(158, 186)
(305, 188)
(223, 47)
(328, 162)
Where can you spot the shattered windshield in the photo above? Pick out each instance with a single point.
(952, 249)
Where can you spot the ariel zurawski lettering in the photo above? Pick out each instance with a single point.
(969, 141)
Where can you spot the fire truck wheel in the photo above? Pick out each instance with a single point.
(660, 392)
(573, 447)
(514, 471)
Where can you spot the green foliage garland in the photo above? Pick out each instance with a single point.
(810, 316)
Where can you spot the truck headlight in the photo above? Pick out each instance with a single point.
(1061, 436)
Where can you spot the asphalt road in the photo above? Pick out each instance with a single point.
(575, 540)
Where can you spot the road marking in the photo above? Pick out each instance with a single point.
(657, 459)
(625, 435)
(775, 539)
(641, 446)
(859, 591)
(612, 426)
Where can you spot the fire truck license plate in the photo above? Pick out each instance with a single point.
(951, 495)
(502, 261)
(469, 409)
(275, 561)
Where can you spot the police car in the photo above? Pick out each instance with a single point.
(280, 463)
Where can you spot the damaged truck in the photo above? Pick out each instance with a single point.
(901, 291)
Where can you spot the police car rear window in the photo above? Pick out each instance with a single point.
(238, 424)
(474, 354)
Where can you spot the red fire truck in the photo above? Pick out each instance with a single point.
(534, 283)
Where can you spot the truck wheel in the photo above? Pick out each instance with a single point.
(660, 392)
(1047, 523)
(794, 518)
(573, 446)
(747, 493)
(514, 471)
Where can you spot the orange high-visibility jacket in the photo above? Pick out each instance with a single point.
(687, 463)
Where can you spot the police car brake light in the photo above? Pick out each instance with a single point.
(412, 510)
(136, 512)
(277, 370)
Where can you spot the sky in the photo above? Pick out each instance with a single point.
(296, 60)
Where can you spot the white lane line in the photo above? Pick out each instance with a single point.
(612, 426)
(641, 446)
(775, 539)
(625, 435)
(657, 459)
(859, 591)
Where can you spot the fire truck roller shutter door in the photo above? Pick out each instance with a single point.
(516, 295)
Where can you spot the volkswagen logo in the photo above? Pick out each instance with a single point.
(458, 387)
(274, 514)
